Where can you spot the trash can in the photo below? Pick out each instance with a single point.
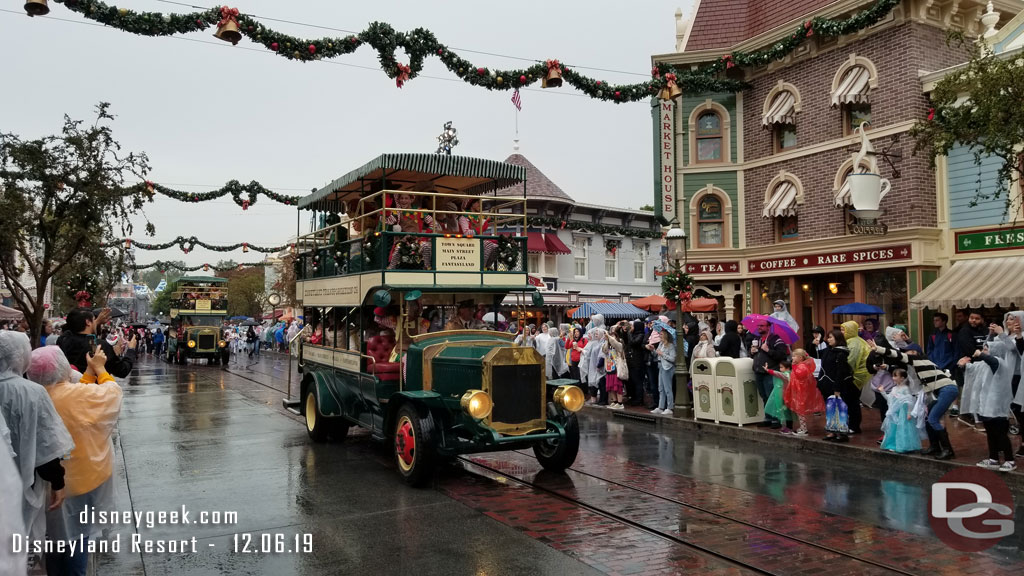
(738, 399)
(705, 394)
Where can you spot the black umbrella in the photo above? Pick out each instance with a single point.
(250, 322)
(114, 312)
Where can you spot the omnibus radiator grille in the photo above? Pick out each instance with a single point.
(516, 393)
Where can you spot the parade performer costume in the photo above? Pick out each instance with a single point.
(472, 223)
(408, 218)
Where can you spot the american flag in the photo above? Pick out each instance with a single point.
(517, 101)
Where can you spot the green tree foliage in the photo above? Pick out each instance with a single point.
(62, 197)
(647, 208)
(979, 105)
(153, 276)
(161, 305)
(246, 294)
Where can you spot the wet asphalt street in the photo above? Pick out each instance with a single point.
(640, 501)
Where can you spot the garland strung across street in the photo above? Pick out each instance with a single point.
(245, 195)
(576, 226)
(163, 266)
(666, 81)
(188, 244)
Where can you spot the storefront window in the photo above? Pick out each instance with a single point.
(771, 290)
(711, 222)
(709, 137)
(887, 289)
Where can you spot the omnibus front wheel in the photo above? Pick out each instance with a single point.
(557, 455)
(414, 451)
(316, 425)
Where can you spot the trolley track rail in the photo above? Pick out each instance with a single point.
(868, 564)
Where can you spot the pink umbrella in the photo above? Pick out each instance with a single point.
(780, 327)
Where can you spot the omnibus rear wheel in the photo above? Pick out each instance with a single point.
(414, 450)
(557, 455)
(316, 425)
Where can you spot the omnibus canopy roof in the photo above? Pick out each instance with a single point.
(453, 174)
(202, 279)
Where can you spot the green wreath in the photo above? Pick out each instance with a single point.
(677, 287)
(508, 253)
(371, 248)
(409, 255)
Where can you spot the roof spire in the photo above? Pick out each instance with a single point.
(515, 144)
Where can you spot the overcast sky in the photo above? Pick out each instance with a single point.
(207, 112)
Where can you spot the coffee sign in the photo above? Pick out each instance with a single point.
(837, 258)
(990, 240)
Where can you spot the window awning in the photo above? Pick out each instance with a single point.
(842, 197)
(555, 245)
(780, 111)
(972, 283)
(782, 202)
(853, 88)
(611, 310)
(535, 242)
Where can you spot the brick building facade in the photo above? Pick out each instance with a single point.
(760, 174)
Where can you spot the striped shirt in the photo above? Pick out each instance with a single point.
(928, 373)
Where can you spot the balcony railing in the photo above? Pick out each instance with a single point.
(404, 236)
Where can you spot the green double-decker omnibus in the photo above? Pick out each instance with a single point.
(199, 306)
(401, 281)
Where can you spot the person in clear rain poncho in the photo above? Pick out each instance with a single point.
(38, 436)
(10, 507)
(781, 312)
(90, 409)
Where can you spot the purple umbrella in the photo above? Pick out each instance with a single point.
(780, 327)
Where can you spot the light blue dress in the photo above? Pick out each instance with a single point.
(901, 433)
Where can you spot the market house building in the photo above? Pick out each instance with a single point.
(579, 252)
(983, 264)
(760, 176)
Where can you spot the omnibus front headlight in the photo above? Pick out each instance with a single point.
(223, 343)
(477, 404)
(569, 397)
(191, 343)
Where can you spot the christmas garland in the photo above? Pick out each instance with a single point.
(245, 195)
(187, 245)
(420, 43)
(508, 252)
(539, 222)
(165, 266)
(677, 287)
(409, 255)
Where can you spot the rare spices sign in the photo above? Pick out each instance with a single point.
(837, 258)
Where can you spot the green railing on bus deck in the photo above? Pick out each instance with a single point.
(372, 253)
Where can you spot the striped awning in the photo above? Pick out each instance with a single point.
(780, 111)
(461, 174)
(842, 197)
(854, 87)
(782, 202)
(535, 243)
(972, 283)
(612, 310)
(555, 245)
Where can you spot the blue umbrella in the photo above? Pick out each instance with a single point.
(858, 309)
(659, 325)
(240, 318)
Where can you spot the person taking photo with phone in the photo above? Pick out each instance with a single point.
(80, 338)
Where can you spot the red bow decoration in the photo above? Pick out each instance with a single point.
(553, 64)
(931, 114)
(228, 15)
(655, 73)
(685, 296)
(808, 26)
(403, 75)
(245, 204)
(149, 187)
(670, 80)
(82, 298)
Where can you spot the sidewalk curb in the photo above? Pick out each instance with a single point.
(911, 463)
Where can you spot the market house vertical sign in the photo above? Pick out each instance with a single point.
(665, 159)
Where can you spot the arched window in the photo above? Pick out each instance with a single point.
(709, 137)
(851, 90)
(779, 115)
(710, 222)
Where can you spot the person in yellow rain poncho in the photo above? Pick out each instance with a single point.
(858, 360)
(89, 409)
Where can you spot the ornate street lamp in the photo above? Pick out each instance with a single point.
(675, 238)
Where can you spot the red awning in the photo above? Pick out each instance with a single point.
(555, 246)
(535, 242)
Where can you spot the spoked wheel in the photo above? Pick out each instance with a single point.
(316, 425)
(414, 450)
(557, 455)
